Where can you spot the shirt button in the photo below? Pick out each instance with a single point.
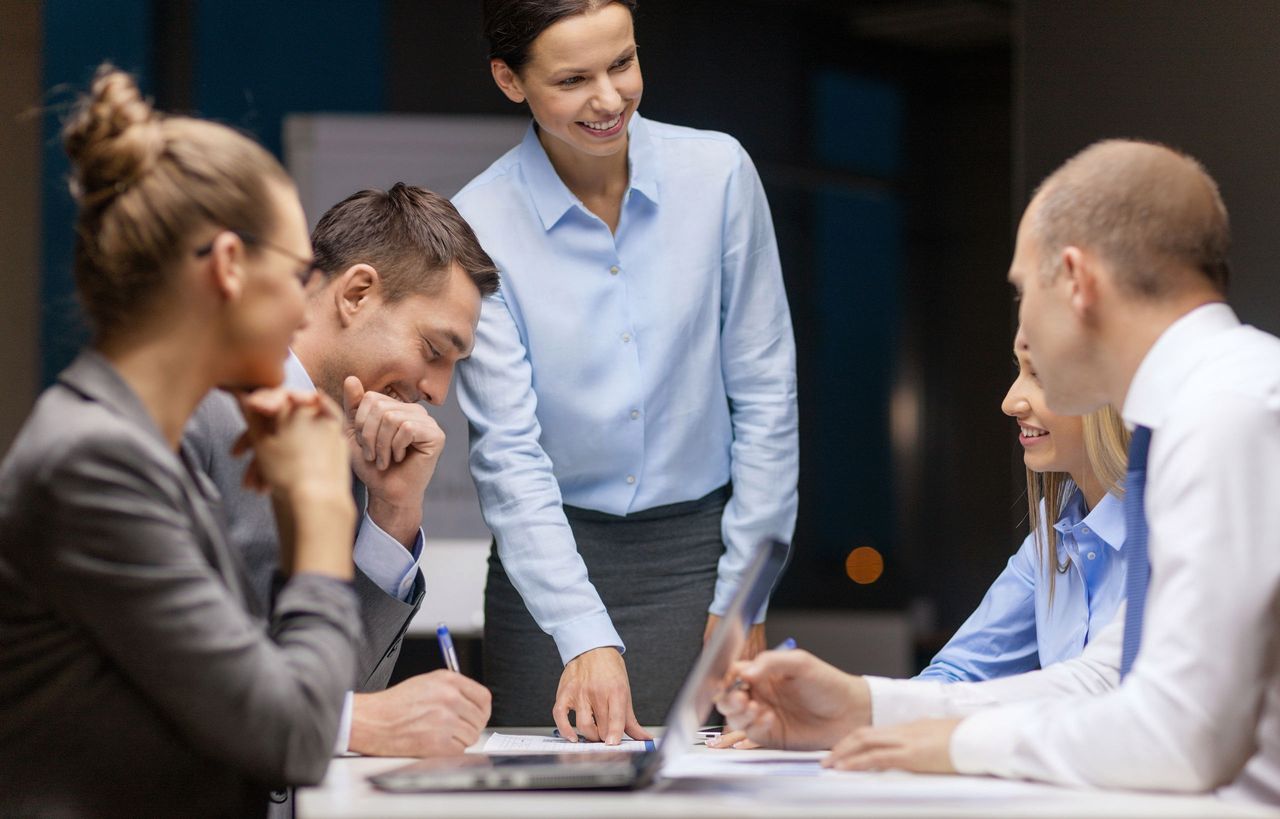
(1084, 530)
(635, 414)
(1092, 555)
(626, 338)
(631, 479)
(614, 270)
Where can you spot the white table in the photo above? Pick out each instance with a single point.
(346, 793)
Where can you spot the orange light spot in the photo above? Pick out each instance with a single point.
(864, 565)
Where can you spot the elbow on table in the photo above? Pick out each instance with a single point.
(1196, 761)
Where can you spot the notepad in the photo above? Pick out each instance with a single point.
(530, 744)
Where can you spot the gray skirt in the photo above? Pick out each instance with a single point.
(655, 571)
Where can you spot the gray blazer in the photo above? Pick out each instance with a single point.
(251, 523)
(135, 678)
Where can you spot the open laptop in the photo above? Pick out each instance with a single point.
(622, 769)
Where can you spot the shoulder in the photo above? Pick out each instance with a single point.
(72, 445)
(1231, 393)
(678, 137)
(498, 180)
(681, 148)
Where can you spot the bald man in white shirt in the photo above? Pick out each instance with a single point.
(1121, 270)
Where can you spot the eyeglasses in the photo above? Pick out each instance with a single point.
(309, 269)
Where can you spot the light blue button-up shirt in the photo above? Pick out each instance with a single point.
(1015, 629)
(623, 371)
(382, 558)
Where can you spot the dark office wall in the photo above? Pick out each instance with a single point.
(893, 257)
(890, 199)
(20, 93)
(1198, 76)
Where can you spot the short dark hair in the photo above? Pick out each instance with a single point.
(408, 234)
(511, 26)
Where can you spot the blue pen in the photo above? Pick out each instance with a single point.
(446, 648)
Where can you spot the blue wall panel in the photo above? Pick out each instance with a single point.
(258, 60)
(858, 264)
(78, 35)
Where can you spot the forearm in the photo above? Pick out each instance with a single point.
(402, 522)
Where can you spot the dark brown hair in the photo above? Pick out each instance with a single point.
(409, 235)
(511, 26)
(145, 183)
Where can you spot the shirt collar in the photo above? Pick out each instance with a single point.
(553, 199)
(1176, 353)
(295, 375)
(1105, 521)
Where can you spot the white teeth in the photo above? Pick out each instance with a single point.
(1031, 432)
(604, 126)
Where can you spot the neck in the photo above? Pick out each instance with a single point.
(589, 177)
(1135, 330)
(170, 372)
(1090, 487)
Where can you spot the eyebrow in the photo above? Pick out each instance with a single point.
(629, 51)
(456, 341)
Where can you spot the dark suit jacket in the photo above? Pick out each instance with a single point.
(134, 677)
(252, 527)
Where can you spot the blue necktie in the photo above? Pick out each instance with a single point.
(1137, 568)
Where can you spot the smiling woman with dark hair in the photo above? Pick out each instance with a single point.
(632, 397)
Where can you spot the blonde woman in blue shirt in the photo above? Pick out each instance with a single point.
(1062, 586)
(632, 393)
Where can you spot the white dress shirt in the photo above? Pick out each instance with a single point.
(1201, 708)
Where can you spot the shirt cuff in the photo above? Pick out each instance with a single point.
(895, 701)
(586, 633)
(724, 592)
(984, 742)
(386, 561)
(344, 727)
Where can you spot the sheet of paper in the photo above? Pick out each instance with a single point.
(732, 764)
(530, 744)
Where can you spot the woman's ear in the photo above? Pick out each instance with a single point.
(226, 265)
(355, 292)
(507, 80)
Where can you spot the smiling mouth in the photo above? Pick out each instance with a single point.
(1026, 432)
(602, 128)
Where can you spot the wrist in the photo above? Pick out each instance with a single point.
(400, 521)
(859, 712)
(364, 735)
(321, 523)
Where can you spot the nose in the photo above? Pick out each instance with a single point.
(1015, 405)
(607, 99)
(434, 385)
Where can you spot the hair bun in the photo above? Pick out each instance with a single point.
(113, 137)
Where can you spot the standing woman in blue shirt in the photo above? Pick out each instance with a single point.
(632, 395)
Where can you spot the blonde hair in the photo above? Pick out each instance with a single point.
(144, 183)
(1106, 446)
